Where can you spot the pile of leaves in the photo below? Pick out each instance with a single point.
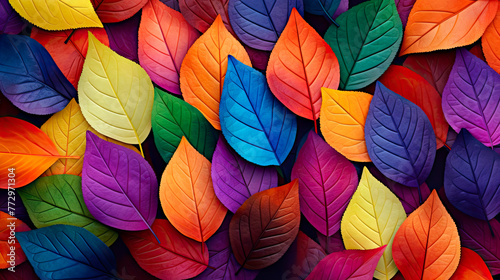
(249, 139)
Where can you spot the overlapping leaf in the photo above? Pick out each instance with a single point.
(201, 14)
(490, 41)
(9, 224)
(10, 20)
(404, 8)
(322, 7)
(471, 266)
(123, 37)
(117, 10)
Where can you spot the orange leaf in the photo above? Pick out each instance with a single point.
(204, 68)
(25, 148)
(187, 195)
(6, 222)
(70, 56)
(343, 116)
(301, 63)
(471, 266)
(427, 245)
(491, 43)
(415, 88)
(446, 24)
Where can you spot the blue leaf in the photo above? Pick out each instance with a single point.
(253, 121)
(259, 23)
(322, 7)
(472, 177)
(30, 78)
(67, 252)
(399, 138)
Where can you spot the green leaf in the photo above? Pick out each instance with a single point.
(58, 199)
(366, 42)
(173, 118)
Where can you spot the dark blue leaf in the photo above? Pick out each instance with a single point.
(67, 252)
(322, 7)
(253, 121)
(399, 138)
(472, 177)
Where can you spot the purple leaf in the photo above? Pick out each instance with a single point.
(119, 186)
(332, 243)
(17, 210)
(174, 4)
(327, 181)
(343, 6)
(236, 179)
(10, 21)
(404, 8)
(123, 37)
(471, 98)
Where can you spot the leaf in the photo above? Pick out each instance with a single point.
(416, 89)
(117, 10)
(435, 25)
(204, 68)
(248, 107)
(236, 179)
(490, 41)
(202, 14)
(175, 257)
(366, 42)
(9, 224)
(119, 186)
(187, 194)
(259, 23)
(427, 245)
(123, 37)
(58, 199)
(173, 118)
(57, 14)
(342, 121)
(322, 7)
(30, 79)
(17, 210)
(471, 98)
(470, 177)
(331, 244)
(10, 20)
(164, 39)
(174, 4)
(264, 227)
(471, 266)
(371, 220)
(399, 138)
(116, 95)
(22, 272)
(62, 252)
(25, 151)
(404, 8)
(435, 67)
(327, 180)
(69, 56)
(300, 64)
(348, 264)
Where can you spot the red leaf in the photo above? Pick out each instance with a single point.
(471, 266)
(117, 10)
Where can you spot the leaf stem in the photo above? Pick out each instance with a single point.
(69, 37)
(327, 14)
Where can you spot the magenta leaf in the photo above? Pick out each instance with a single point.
(404, 8)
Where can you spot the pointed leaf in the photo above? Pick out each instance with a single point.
(204, 68)
(119, 186)
(248, 107)
(471, 98)
(366, 42)
(123, 37)
(10, 21)
(236, 179)
(343, 116)
(202, 14)
(58, 199)
(427, 245)
(490, 41)
(30, 79)
(164, 39)
(300, 65)
(264, 227)
(399, 138)
(327, 180)
(117, 10)
(347, 265)
(187, 194)
(9, 224)
(435, 25)
(471, 266)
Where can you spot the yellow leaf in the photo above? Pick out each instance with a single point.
(58, 14)
(342, 120)
(371, 220)
(116, 95)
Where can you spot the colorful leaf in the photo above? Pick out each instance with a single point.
(435, 25)
(187, 194)
(123, 37)
(305, 254)
(10, 20)
(30, 79)
(117, 10)
(164, 39)
(366, 42)
(471, 98)
(204, 68)
(264, 227)
(427, 245)
(10, 257)
(471, 266)
(301, 64)
(404, 8)
(399, 138)
(322, 7)
(202, 14)
(327, 180)
(490, 41)
(236, 179)
(58, 199)
(248, 107)
(23, 271)
(331, 244)
(343, 116)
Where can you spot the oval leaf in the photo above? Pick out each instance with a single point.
(117, 10)
(490, 41)
(471, 266)
(201, 14)
(9, 224)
